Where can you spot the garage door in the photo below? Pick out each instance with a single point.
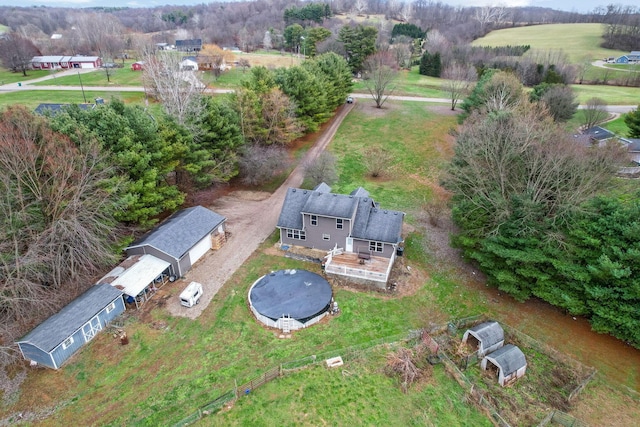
(200, 249)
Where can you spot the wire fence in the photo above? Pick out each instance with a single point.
(432, 339)
(245, 389)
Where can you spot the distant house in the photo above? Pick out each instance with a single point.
(598, 134)
(189, 63)
(485, 337)
(192, 45)
(52, 109)
(633, 148)
(137, 66)
(630, 58)
(211, 62)
(353, 228)
(54, 62)
(509, 361)
(183, 238)
(56, 339)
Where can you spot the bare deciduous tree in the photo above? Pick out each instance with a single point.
(594, 112)
(260, 164)
(381, 72)
(16, 52)
(56, 219)
(458, 81)
(178, 90)
(322, 169)
(377, 161)
(522, 157)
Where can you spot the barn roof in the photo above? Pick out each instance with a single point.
(56, 108)
(181, 231)
(508, 358)
(489, 333)
(57, 328)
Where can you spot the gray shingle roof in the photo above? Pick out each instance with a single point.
(70, 318)
(56, 108)
(598, 133)
(369, 222)
(322, 188)
(330, 204)
(509, 358)
(181, 231)
(489, 333)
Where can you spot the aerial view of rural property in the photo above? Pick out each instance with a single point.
(320, 213)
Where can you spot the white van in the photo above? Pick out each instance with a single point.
(191, 294)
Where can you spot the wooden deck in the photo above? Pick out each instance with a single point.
(349, 264)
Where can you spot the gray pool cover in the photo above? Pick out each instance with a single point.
(299, 294)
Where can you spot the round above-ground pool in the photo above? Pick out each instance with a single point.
(290, 299)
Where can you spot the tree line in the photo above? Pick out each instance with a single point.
(539, 212)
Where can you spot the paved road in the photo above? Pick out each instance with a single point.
(26, 85)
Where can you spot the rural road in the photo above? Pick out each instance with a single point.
(249, 222)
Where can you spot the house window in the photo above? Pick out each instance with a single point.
(376, 246)
(314, 219)
(326, 237)
(339, 223)
(67, 343)
(111, 307)
(296, 234)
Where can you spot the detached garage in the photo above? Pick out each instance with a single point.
(56, 339)
(183, 238)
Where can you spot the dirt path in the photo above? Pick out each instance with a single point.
(251, 218)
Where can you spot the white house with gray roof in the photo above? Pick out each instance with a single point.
(344, 224)
(183, 238)
(56, 339)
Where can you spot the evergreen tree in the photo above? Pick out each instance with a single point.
(632, 120)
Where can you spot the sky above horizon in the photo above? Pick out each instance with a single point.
(582, 6)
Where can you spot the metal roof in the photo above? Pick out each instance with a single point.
(139, 275)
(508, 358)
(489, 333)
(181, 231)
(56, 108)
(57, 328)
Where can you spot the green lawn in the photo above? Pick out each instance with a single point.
(117, 77)
(578, 41)
(612, 95)
(7, 76)
(32, 98)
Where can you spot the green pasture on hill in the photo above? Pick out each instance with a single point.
(578, 41)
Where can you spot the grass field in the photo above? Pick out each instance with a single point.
(578, 41)
(31, 99)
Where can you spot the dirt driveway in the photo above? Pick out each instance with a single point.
(251, 218)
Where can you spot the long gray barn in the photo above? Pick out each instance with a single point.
(56, 339)
(183, 238)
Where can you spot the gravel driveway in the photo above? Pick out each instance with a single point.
(251, 218)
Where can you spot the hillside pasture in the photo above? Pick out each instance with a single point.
(578, 41)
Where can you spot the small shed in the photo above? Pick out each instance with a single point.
(486, 337)
(183, 238)
(56, 339)
(137, 66)
(509, 361)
